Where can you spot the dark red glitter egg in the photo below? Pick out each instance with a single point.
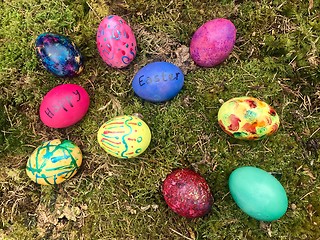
(187, 193)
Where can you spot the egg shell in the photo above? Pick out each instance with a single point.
(124, 136)
(212, 43)
(59, 55)
(187, 193)
(248, 118)
(116, 42)
(64, 105)
(158, 81)
(258, 193)
(54, 162)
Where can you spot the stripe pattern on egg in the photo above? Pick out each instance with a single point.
(124, 136)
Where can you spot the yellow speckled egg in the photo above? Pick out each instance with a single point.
(53, 162)
(124, 136)
(248, 118)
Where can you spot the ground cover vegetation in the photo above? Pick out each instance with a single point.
(276, 59)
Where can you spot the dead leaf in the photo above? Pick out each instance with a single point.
(14, 174)
(70, 213)
(191, 232)
(309, 173)
(310, 4)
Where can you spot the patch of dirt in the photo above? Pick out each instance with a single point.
(17, 197)
(160, 46)
(50, 223)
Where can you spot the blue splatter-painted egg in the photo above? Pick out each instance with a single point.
(258, 193)
(59, 55)
(158, 81)
(54, 162)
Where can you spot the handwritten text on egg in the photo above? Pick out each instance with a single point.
(157, 78)
(62, 104)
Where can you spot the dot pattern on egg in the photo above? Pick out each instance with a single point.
(53, 162)
(124, 136)
(116, 42)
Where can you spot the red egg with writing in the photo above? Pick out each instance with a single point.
(187, 193)
(64, 106)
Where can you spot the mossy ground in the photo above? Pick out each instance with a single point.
(276, 59)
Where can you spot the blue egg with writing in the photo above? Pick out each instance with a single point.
(158, 81)
(59, 55)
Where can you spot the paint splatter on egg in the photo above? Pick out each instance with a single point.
(248, 118)
(124, 136)
(158, 81)
(258, 193)
(212, 43)
(53, 162)
(59, 55)
(116, 42)
(64, 105)
(187, 193)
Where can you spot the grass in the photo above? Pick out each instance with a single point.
(276, 58)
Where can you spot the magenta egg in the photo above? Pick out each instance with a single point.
(64, 106)
(212, 43)
(187, 193)
(116, 42)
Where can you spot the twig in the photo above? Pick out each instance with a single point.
(5, 107)
(307, 195)
(314, 132)
(181, 235)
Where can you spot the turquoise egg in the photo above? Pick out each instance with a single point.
(258, 193)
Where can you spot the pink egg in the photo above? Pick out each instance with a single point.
(64, 106)
(116, 42)
(212, 43)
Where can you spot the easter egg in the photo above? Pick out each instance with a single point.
(116, 42)
(258, 193)
(158, 81)
(124, 136)
(212, 43)
(53, 162)
(59, 55)
(64, 106)
(187, 193)
(248, 118)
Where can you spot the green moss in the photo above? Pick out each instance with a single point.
(276, 59)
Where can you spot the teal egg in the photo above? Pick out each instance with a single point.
(258, 193)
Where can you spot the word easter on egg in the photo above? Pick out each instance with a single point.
(158, 81)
